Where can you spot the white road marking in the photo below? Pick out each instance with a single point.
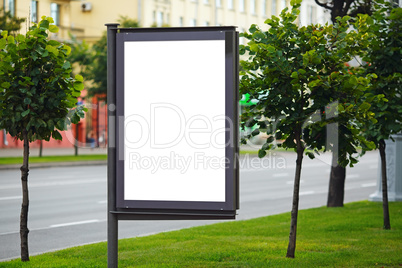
(353, 176)
(277, 175)
(369, 184)
(73, 223)
(102, 202)
(307, 193)
(51, 227)
(10, 198)
(53, 183)
(291, 182)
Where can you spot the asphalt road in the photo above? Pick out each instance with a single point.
(68, 204)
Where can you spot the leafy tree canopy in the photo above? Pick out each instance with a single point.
(10, 23)
(37, 93)
(93, 60)
(298, 84)
(301, 82)
(384, 58)
(341, 8)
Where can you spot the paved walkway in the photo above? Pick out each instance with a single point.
(50, 151)
(15, 152)
(9, 152)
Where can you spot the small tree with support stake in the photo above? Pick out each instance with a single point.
(384, 58)
(302, 85)
(38, 97)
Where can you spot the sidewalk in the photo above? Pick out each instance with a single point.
(18, 152)
(11, 152)
(15, 152)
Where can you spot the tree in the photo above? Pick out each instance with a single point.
(97, 71)
(38, 96)
(340, 8)
(80, 57)
(302, 86)
(384, 58)
(10, 23)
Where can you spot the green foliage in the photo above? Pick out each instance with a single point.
(385, 59)
(80, 56)
(93, 61)
(10, 23)
(97, 71)
(341, 8)
(126, 22)
(37, 94)
(302, 84)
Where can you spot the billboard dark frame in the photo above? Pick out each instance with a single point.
(155, 209)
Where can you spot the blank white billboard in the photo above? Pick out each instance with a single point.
(174, 120)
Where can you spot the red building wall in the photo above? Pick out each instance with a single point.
(96, 126)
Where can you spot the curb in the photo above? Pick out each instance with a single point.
(55, 164)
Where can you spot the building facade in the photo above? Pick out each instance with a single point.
(86, 20)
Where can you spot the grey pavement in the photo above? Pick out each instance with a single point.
(15, 152)
(9, 152)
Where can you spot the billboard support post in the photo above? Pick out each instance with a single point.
(112, 221)
(165, 78)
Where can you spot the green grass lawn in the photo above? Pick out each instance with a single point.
(351, 236)
(91, 157)
(69, 158)
(56, 158)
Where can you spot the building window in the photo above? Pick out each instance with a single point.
(55, 13)
(241, 5)
(273, 8)
(263, 7)
(311, 14)
(206, 2)
(206, 23)
(242, 40)
(230, 4)
(252, 6)
(159, 19)
(181, 22)
(218, 3)
(11, 7)
(283, 4)
(34, 11)
(193, 22)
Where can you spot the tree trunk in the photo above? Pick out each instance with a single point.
(387, 223)
(40, 148)
(76, 140)
(336, 191)
(295, 204)
(25, 201)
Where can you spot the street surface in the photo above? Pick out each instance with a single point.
(68, 204)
